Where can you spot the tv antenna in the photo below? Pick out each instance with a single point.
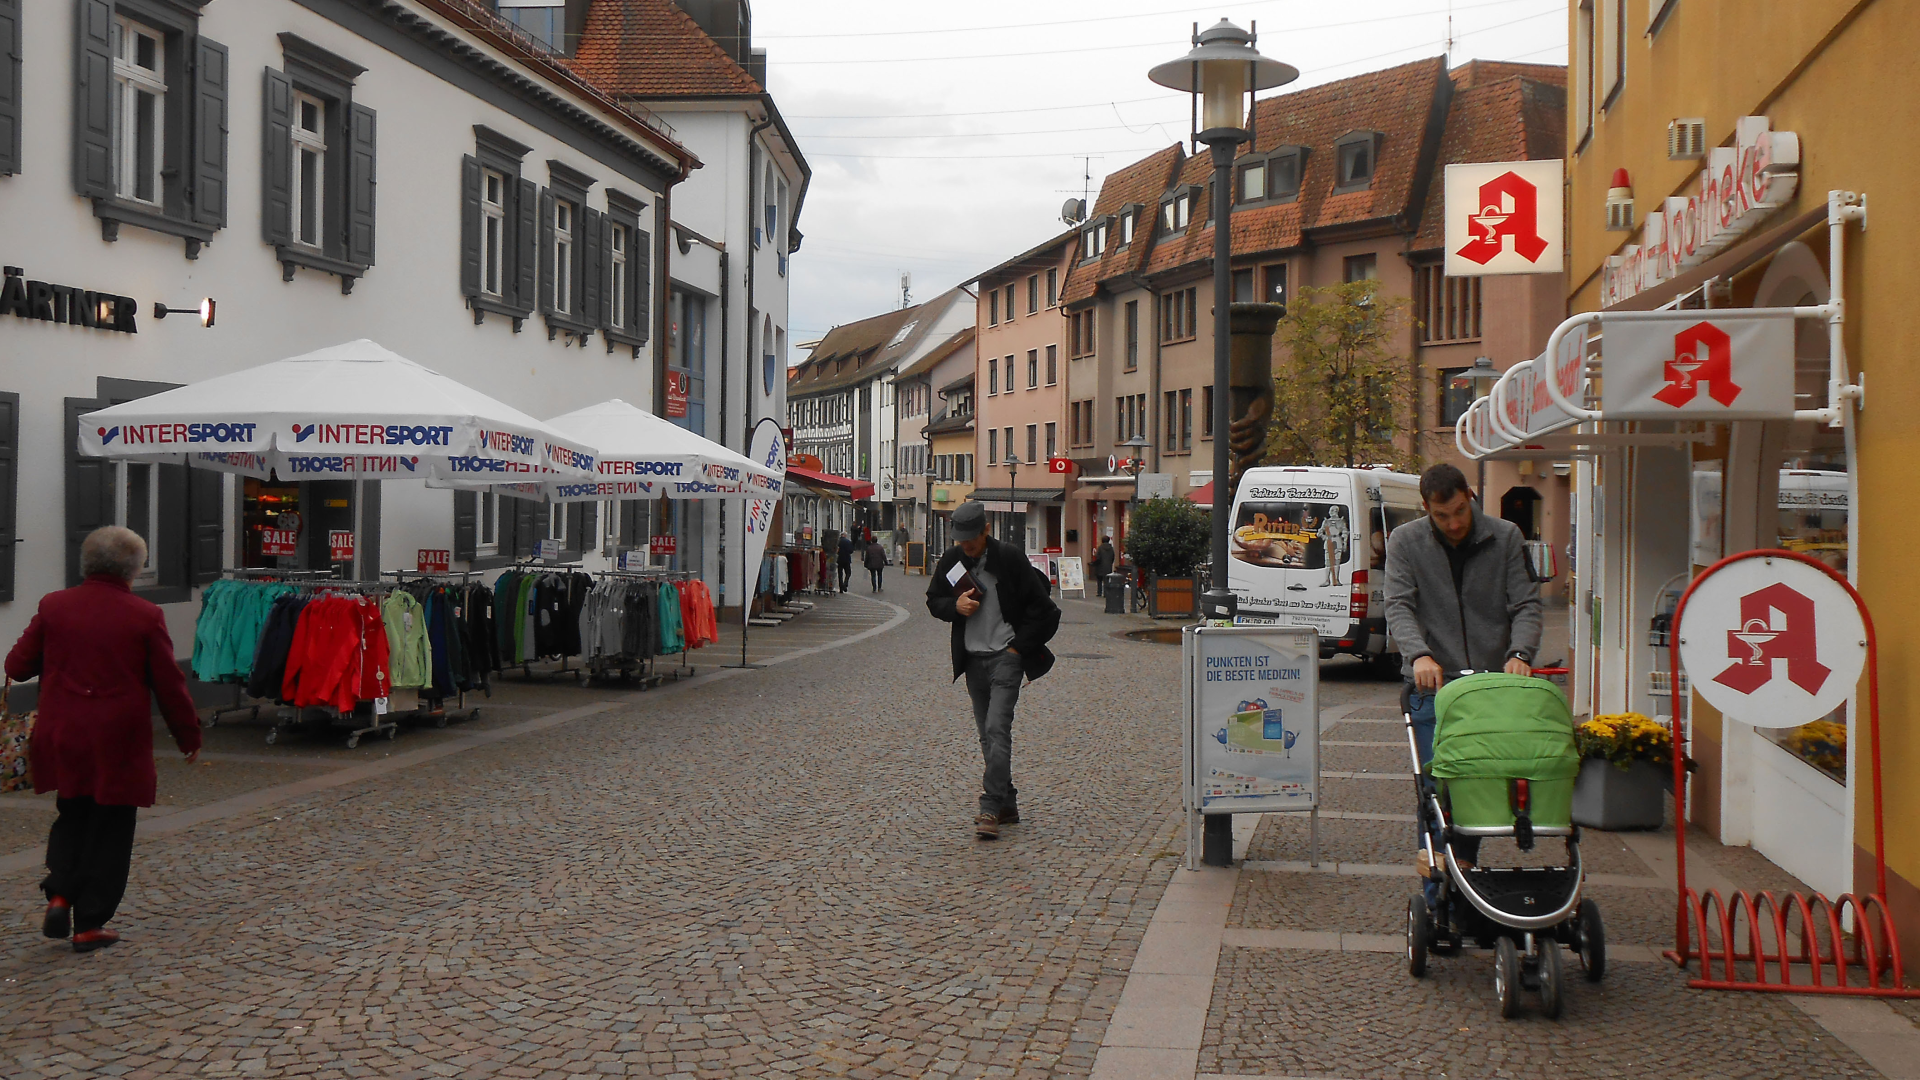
(906, 290)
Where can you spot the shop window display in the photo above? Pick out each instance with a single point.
(1813, 509)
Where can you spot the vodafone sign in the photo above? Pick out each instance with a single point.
(1772, 641)
(1736, 367)
(1504, 218)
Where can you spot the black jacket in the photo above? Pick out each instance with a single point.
(1024, 603)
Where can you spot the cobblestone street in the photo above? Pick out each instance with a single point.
(772, 872)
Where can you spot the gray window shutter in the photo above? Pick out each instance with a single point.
(592, 266)
(526, 244)
(171, 550)
(466, 523)
(360, 186)
(276, 161)
(9, 488)
(529, 522)
(470, 179)
(10, 64)
(546, 251)
(589, 526)
(633, 523)
(89, 485)
(92, 116)
(209, 133)
(640, 280)
(206, 517)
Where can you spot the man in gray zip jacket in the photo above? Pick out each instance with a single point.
(1459, 597)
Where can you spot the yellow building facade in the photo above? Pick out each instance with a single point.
(1654, 81)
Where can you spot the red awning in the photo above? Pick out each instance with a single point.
(839, 485)
(1202, 494)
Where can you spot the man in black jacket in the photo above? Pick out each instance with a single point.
(1002, 620)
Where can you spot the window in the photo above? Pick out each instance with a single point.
(1186, 419)
(1176, 212)
(1053, 287)
(1206, 412)
(1355, 162)
(1033, 443)
(500, 229)
(1454, 400)
(1359, 268)
(993, 309)
(1033, 293)
(563, 222)
(317, 183)
(1283, 173)
(1273, 284)
(180, 512)
(1053, 365)
(1178, 315)
(1657, 14)
(1009, 302)
(1613, 54)
(1243, 286)
(1009, 442)
(1169, 422)
(1080, 333)
(1094, 240)
(1583, 72)
(139, 110)
(309, 168)
(1033, 368)
(487, 535)
(1448, 308)
(545, 20)
(1120, 416)
(1126, 226)
(993, 374)
(1253, 181)
(617, 277)
(993, 444)
(1133, 334)
(770, 193)
(687, 356)
(1053, 445)
(1073, 423)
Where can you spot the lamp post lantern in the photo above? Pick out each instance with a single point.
(1013, 499)
(1480, 377)
(1222, 73)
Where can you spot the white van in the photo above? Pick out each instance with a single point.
(1309, 548)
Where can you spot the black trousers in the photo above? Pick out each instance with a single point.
(846, 575)
(876, 578)
(89, 851)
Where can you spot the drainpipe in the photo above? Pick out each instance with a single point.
(746, 389)
(1153, 400)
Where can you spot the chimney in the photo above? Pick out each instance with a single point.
(757, 66)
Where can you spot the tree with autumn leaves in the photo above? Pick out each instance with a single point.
(1343, 396)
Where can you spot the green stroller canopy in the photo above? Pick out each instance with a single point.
(1500, 726)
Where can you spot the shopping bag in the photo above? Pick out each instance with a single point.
(16, 731)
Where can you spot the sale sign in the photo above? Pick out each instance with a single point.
(340, 544)
(663, 544)
(279, 541)
(433, 560)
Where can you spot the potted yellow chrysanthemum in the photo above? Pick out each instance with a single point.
(1626, 772)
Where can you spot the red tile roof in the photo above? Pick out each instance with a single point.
(1477, 72)
(1513, 118)
(651, 48)
(1398, 102)
(1141, 182)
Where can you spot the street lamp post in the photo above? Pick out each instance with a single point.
(1134, 466)
(1222, 73)
(1480, 377)
(1013, 497)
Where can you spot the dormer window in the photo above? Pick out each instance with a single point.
(1283, 172)
(1095, 240)
(1270, 176)
(1252, 184)
(1126, 227)
(1176, 212)
(1358, 154)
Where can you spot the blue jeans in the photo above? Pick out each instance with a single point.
(993, 682)
(1419, 705)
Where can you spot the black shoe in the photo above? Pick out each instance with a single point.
(1010, 816)
(59, 920)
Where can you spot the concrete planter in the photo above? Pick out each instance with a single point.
(1605, 797)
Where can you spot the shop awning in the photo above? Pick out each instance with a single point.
(844, 486)
(1203, 495)
(1026, 495)
(1111, 492)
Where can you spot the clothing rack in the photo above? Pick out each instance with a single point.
(580, 675)
(435, 708)
(264, 574)
(644, 669)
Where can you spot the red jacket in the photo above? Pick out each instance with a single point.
(102, 655)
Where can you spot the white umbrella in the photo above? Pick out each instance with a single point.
(644, 456)
(355, 411)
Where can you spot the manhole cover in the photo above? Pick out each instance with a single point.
(1083, 656)
(1169, 635)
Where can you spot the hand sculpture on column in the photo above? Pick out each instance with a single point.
(1250, 362)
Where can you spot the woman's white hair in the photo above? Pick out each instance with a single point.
(111, 549)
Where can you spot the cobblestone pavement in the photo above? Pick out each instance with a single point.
(771, 873)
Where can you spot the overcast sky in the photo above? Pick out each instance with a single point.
(945, 137)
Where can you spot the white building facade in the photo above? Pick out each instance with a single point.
(407, 171)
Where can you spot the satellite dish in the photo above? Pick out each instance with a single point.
(1073, 211)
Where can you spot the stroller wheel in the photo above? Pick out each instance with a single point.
(1506, 977)
(1419, 935)
(1593, 941)
(1552, 977)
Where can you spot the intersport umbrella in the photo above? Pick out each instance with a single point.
(643, 456)
(350, 411)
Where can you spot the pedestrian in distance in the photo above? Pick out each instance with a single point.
(102, 655)
(1102, 564)
(1459, 599)
(1002, 620)
(846, 560)
(876, 562)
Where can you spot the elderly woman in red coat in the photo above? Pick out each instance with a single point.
(102, 655)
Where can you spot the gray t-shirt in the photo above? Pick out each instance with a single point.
(987, 630)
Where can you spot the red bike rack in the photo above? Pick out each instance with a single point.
(1830, 959)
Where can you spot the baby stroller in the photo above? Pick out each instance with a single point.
(1503, 765)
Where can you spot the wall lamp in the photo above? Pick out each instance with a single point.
(205, 311)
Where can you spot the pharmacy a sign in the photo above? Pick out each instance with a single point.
(1504, 218)
(1772, 641)
(1736, 367)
